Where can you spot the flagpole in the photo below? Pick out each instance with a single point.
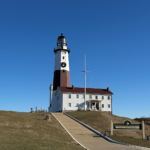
(85, 83)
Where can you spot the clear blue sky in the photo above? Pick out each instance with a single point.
(114, 33)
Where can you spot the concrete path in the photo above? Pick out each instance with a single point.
(86, 137)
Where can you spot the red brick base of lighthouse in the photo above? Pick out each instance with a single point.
(61, 78)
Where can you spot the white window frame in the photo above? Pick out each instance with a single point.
(90, 96)
(69, 104)
(69, 96)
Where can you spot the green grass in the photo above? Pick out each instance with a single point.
(28, 131)
(100, 121)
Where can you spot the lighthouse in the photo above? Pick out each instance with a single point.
(61, 70)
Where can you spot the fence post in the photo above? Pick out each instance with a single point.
(111, 128)
(143, 129)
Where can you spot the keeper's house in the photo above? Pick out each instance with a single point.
(71, 98)
(66, 98)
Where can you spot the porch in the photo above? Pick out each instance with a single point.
(93, 105)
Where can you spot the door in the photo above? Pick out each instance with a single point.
(97, 106)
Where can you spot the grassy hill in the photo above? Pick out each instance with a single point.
(28, 131)
(100, 121)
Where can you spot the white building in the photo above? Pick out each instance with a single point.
(66, 98)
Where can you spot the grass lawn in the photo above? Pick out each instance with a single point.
(28, 131)
(100, 121)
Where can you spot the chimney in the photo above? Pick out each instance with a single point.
(72, 86)
(108, 89)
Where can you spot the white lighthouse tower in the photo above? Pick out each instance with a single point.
(61, 69)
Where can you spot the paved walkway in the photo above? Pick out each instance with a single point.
(86, 137)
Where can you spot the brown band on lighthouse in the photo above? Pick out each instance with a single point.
(61, 78)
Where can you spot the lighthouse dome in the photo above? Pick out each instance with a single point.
(62, 41)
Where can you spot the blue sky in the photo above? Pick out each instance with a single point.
(115, 35)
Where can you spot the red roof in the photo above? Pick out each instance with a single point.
(88, 90)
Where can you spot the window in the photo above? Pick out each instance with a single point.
(77, 104)
(69, 95)
(102, 97)
(108, 97)
(90, 96)
(108, 105)
(63, 57)
(96, 97)
(77, 96)
(69, 104)
(83, 96)
(102, 105)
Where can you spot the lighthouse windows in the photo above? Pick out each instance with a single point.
(63, 57)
